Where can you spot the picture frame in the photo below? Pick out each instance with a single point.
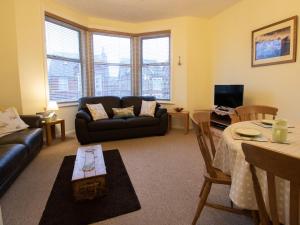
(275, 43)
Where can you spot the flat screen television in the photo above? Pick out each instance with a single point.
(229, 95)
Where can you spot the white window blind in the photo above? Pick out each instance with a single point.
(63, 62)
(155, 69)
(112, 65)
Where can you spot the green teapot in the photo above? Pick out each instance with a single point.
(280, 131)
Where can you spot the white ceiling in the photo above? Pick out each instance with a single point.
(144, 10)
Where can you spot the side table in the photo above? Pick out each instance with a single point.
(185, 115)
(50, 129)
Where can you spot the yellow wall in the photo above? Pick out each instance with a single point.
(114, 25)
(9, 78)
(199, 83)
(31, 61)
(276, 85)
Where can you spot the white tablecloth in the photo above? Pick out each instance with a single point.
(231, 160)
(1, 222)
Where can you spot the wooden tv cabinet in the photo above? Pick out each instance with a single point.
(219, 121)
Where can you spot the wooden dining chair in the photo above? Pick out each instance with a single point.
(201, 122)
(255, 112)
(275, 164)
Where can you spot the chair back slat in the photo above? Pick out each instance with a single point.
(201, 123)
(255, 112)
(276, 164)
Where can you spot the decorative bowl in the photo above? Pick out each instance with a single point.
(178, 109)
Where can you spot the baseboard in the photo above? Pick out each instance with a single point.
(69, 132)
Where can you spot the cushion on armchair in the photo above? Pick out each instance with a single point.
(10, 122)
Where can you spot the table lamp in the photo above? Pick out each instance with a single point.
(52, 107)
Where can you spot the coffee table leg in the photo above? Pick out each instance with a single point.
(187, 124)
(48, 134)
(62, 130)
(170, 122)
(53, 134)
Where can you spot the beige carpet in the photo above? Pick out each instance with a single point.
(166, 173)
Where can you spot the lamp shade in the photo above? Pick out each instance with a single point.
(52, 106)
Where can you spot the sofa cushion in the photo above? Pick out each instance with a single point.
(136, 101)
(108, 103)
(123, 112)
(28, 137)
(107, 124)
(10, 122)
(11, 158)
(148, 108)
(142, 121)
(97, 111)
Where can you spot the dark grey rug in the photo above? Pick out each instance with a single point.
(120, 198)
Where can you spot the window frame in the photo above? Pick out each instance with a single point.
(61, 58)
(86, 55)
(141, 64)
(111, 34)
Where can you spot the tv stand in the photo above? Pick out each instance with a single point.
(219, 121)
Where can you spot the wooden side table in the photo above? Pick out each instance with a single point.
(185, 115)
(50, 129)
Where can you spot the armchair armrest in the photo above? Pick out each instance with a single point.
(160, 112)
(81, 114)
(32, 121)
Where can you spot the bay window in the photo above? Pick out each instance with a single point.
(90, 62)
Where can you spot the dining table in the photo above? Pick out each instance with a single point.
(230, 159)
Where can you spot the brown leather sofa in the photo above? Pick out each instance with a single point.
(88, 131)
(18, 149)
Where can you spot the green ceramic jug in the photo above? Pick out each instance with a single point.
(279, 131)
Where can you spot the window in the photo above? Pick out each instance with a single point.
(91, 62)
(112, 65)
(155, 69)
(63, 61)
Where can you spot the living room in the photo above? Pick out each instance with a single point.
(209, 44)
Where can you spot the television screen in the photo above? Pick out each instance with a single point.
(229, 95)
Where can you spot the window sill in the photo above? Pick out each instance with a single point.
(67, 104)
(165, 102)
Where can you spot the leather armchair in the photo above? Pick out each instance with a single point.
(18, 149)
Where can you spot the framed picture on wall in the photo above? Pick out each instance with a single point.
(275, 43)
